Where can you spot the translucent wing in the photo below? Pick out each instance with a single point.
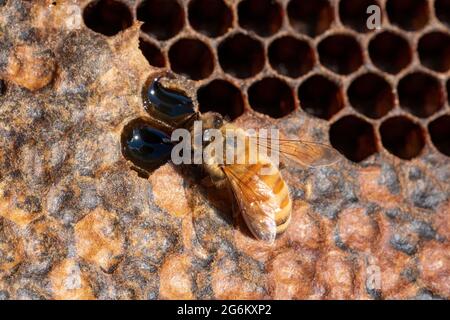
(255, 200)
(303, 153)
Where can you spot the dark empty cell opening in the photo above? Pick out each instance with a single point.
(353, 137)
(163, 19)
(341, 54)
(310, 17)
(291, 57)
(107, 17)
(271, 96)
(448, 91)
(320, 97)
(222, 97)
(241, 56)
(371, 95)
(390, 52)
(2, 87)
(152, 53)
(434, 51)
(440, 134)
(210, 17)
(442, 8)
(420, 94)
(410, 15)
(261, 16)
(402, 137)
(354, 14)
(192, 58)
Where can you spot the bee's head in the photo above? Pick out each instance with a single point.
(212, 120)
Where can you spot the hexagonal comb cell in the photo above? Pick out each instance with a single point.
(442, 9)
(390, 52)
(191, 58)
(448, 91)
(152, 53)
(410, 15)
(264, 17)
(2, 87)
(402, 137)
(340, 53)
(434, 51)
(353, 13)
(371, 95)
(310, 17)
(421, 94)
(213, 18)
(222, 97)
(320, 97)
(271, 96)
(107, 17)
(439, 130)
(291, 57)
(163, 19)
(353, 137)
(241, 56)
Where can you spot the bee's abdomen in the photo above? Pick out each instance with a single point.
(280, 190)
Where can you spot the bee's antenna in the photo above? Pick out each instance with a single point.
(191, 119)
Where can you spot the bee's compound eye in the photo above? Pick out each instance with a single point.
(218, 122)
(170, 104)
(145, 146)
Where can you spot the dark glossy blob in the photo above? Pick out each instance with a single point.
(145, 146)
(167, 104)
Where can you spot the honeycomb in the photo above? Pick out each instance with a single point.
(382, 90)
(77, 223)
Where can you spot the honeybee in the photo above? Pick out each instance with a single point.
(258, 189)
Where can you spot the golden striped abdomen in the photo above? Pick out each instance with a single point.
(281, 192)
(260, 191)
(278, 198)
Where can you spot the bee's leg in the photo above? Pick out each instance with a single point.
(234, 204)
(159, 124)
(207, 182)
(216, 175)
(219, 182)
(212, 180)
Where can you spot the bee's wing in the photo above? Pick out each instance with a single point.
(303, 153)
(255, 200)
